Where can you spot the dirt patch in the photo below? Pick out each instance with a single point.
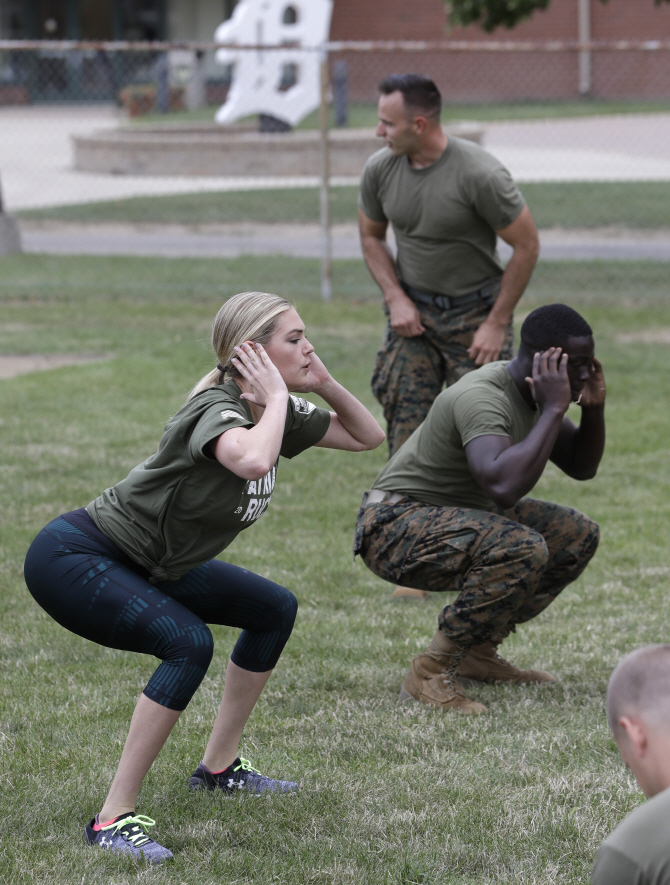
(23, 364)
(650, 336)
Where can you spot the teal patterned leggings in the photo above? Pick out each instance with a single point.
(104, 597)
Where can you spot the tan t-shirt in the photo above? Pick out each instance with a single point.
(181, 507)
(431, 466)
(444, 216)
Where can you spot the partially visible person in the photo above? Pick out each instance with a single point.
(638, 713)
(449, 511)
(134, 570)
(448, 299)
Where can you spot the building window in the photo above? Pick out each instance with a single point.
(13, 20)
(142, 20)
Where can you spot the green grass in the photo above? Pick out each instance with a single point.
(362, 115)
(284, 205)
(390, 795)
(589, 204)
(554, 204)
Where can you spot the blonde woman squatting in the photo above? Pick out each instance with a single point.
(135, 568)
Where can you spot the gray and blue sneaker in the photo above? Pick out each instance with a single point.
(126, 835)
(240, 776)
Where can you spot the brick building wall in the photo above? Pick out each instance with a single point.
(486, 76)
(389, 20)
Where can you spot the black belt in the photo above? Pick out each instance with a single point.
(447, 302)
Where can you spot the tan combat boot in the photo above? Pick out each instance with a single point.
(482, 663)
(432, 680)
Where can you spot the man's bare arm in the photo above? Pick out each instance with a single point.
(507, 471)
(404, 315)
(522, 236)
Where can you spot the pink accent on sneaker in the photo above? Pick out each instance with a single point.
(97, 826)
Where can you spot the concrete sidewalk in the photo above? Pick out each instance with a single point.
(36, 171)
(36, 162)
(609, 147)
(36, 155)
(303, 241)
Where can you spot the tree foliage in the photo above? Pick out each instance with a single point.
(492, 14)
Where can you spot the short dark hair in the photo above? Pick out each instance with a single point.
(419, 93)
(640, 686)
(551, 326)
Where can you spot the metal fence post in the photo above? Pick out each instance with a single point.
(163, 81)
(584, 36)
(340, 97)
(324, 185)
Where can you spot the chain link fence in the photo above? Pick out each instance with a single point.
(112, 149)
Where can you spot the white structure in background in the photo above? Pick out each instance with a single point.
(283, 83)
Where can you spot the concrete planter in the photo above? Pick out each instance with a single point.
(223, 151)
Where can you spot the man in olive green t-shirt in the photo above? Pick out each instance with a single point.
(448, 512)
(638, 712)
(449, 301)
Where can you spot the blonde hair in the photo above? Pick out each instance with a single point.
(249, 316)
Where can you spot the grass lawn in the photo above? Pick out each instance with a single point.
(566, 204)
(390, 795)
(362, 115)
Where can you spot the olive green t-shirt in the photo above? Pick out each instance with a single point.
(181, 507)
(444, 216)
(431, 466)
(637, 852)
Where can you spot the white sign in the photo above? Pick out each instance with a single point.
(284, 83)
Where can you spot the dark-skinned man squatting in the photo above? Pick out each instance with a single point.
(449, 512)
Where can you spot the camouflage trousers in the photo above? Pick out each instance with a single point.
(506, 567)
(410, 372)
